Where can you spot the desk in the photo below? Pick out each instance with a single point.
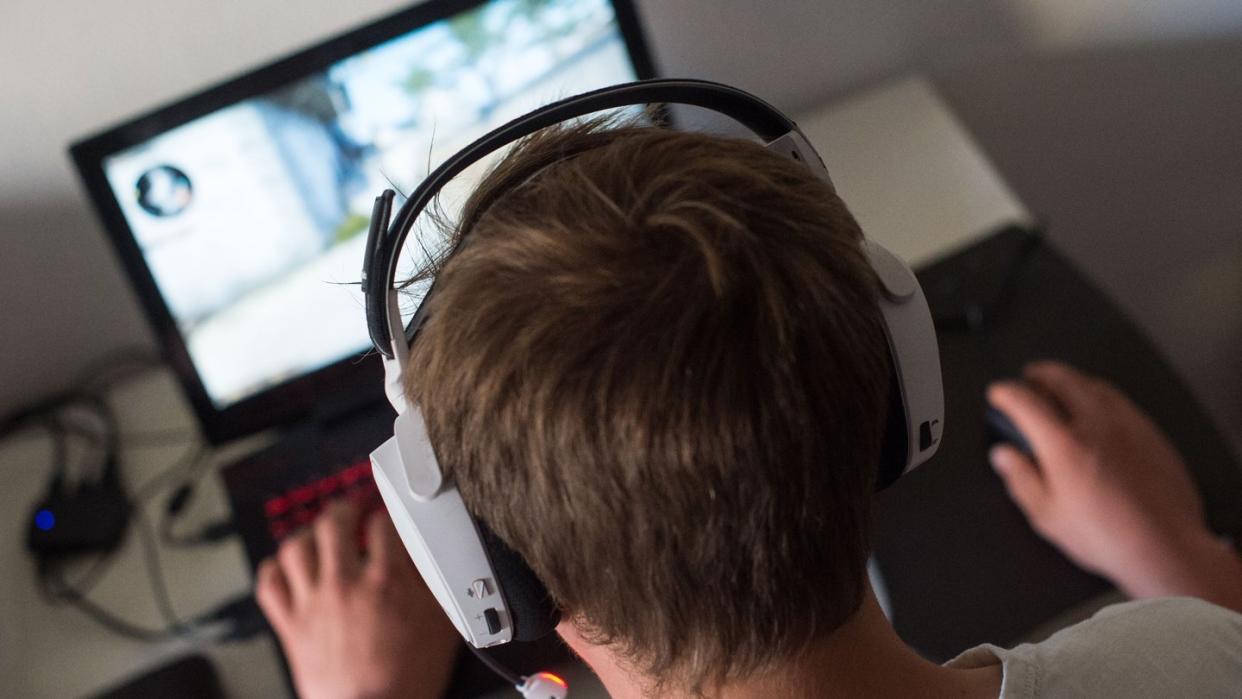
(910, 172)
(56, 651)
(958, 560)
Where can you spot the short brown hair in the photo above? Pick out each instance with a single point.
(656, 368)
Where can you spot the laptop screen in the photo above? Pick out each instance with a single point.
(251, 218)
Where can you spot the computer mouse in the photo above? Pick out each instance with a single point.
(1001, 430)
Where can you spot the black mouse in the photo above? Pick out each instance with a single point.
(1001, 430)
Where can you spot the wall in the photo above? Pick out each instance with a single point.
(72, 67)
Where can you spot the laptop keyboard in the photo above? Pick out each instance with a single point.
(289, 511)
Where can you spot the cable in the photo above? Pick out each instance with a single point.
(208, 534)
(99, 375)
(65, 594)
(508, 675)
(116, 366)
(54, 586)
(243, 616)
(140, 439)
(191, 461)
(57, 590)
(155, 573)
(157, 438)
(195, 468)
(85, 414)
(94, 573)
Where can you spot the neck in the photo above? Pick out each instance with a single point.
(864, 657)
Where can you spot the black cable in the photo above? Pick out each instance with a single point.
(196, 468)
(242, 615)
(56, 588)
(36, 413)
(191, 461)
(95, 572)
(208, 534)
(509, 676)
(99, 375)
(157, 438)
(155, 573)
(138, 439)
(108, 438)
(66, 594)
(116, 366)
(51, 416)
(56, 415)
(60, 453)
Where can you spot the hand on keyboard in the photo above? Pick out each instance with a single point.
(355, 624)
(289, 511)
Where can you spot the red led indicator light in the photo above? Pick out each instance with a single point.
(555, 679)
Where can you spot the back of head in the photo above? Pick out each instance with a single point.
(656, 368)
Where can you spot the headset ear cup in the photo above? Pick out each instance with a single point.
(914, 356)
(896, 446)
(532, 609)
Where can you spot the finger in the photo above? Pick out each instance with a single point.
(271, 591)
(1076, 392)
(1034, 416)
(1110, 395)
(339, 558)
(1022, 479)
(298, 561)
(385, 552)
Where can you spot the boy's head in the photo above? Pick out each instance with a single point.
(656, 368)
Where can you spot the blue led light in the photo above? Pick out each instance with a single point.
(45, 520)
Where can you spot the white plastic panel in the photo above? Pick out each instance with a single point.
(441, 538)
(914, 349)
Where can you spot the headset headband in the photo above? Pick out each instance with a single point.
(384, 241)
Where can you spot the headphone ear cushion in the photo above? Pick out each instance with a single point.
(532, 609)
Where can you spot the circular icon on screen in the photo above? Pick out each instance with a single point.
(164, 191)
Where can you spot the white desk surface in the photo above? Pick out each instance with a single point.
(908, 170)
(56, 651)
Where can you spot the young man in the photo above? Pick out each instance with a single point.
(657, 370)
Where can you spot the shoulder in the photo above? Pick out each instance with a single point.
(1148, 648)
(1157, 618)
(1167, 626)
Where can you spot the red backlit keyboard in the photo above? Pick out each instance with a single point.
(298, 507)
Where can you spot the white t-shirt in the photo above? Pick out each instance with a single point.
(1174, 647)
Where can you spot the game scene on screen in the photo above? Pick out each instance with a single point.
(253, 218)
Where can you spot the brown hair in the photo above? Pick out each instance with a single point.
(656, 368)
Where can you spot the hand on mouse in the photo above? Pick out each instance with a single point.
(1108, 489)
(355, 626)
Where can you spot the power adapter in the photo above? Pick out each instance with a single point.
(90, 518)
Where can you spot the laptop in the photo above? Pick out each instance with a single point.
(239, 214)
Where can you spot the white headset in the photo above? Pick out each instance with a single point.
(489, 593)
